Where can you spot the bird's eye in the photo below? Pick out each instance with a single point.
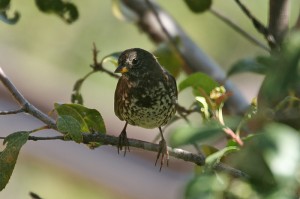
(135, 61)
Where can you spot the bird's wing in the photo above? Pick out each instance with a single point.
(171, 84)
(119, 99)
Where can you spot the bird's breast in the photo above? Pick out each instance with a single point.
(148, 106)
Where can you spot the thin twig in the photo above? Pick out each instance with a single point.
(98, 66)
(11, 112)
(238, 29)
(26, 106)
(259, 26)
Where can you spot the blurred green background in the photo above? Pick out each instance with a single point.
(44, 56)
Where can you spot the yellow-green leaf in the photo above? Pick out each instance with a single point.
(90, 120)
(70, 126)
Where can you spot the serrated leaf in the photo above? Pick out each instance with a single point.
(70, 126)
(199, 6)
(90, 120)
(258, 65)
(190, 135)
(112, 58)
(169, 59)
(198, 81)
(8, 157)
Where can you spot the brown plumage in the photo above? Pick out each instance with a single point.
(146, 95)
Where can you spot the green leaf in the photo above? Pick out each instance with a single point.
(111, 58)
(204, 108)
(169, 58)
(66, 10)
(258, 65)
(190, 135)
(198, 81)
(90, 120)
(4, 4)
(215, 158)
(69, 125)
(8, 157)
(76, 96)
(9, 20)
(199, 6)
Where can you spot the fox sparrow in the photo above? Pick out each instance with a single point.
(146, 95)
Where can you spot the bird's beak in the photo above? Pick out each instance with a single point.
(121, 69)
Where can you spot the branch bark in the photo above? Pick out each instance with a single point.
(195, 58)
(279, 15)
(25, 105)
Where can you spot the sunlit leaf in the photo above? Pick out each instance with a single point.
(190, 135)
(204, 108)
(8, 157)
(90, 120)
(111, 58)
(258, 65)
(198, 81)
(70, 126)
(199, 6)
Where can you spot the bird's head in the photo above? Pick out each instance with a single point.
(137, 62)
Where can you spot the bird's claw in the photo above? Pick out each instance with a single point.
(163, 151)
(123, 141)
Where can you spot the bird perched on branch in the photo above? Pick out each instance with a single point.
(145, 96)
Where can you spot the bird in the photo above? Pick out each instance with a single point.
(145, 96)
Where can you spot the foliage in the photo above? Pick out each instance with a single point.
(264, 143)
(8, 157)
(65, 10)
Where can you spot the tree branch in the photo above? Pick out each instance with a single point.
(11, 112)
(195, 58)
(105, 139)
(26, 106)
(279, 15)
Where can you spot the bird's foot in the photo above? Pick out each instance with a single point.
(163, 151)
(123, 141)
